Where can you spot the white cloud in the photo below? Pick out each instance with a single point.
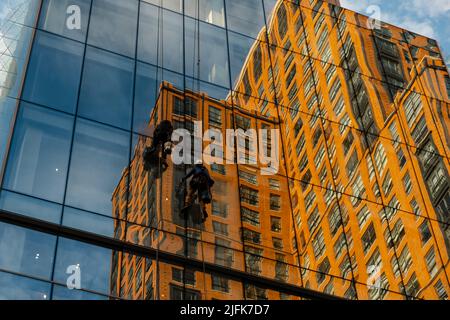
(421, 26)
(429, 8)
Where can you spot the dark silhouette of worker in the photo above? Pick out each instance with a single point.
(200, 186)
(161, 143)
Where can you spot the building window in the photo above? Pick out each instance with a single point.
(425, 233)
(277, 243)
(368, 238)
(250, 216)
(257, 63)
(348, 142)
(281, 268)
(254, 293)
(374, 263)
(430, 260)
(334, 219)
(345, 267)
(248, 177)
(352, 164)
(220, 228)
(413, 107)
(440, 290)
(335, 89)
(322, 272)
(313, 220)
(219, 209)
(407, 183)
(253, 257)
(404, 262)
(215, 116)
(282, 21)
(249, 196)
(413, 286)
(177, 275)
(359, 192)
(180, 293)
(318, 244)
(415, 208)
(394, 237)
(219, 283)
(380, 159)
(275, 202)
(275, 224)
(363, 216)
(107, 17)
(243, 123)
(274, 184)
(190, 109)
(291, 76)
(339, 246)
(223, 254)
(318, 159)
(251, 236)
(218, 168)
(339, 108)
(437, 180)
(387, 184)
(309, 200)
(420, 132)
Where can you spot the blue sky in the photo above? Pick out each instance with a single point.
(430, 18)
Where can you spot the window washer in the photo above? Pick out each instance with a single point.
(161, 143)
(200, 186)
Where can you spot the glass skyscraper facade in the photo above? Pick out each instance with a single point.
(359, 207)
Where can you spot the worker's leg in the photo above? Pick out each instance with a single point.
(190, 196)
(203, 207)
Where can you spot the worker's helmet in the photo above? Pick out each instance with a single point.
(198, 162)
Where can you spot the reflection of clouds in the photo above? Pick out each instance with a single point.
(4, 10)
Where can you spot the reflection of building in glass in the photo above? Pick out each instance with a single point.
(261, 219)
(366, 157)
(358, 209)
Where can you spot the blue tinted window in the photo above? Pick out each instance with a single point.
(148, 81)
(245, 17)
(145, 96)
(107, 88)
(211, 11)
(14, 287)
(210, 62)
(161, 37)
(30, 206)
(54, 72)
(37, 164)
(94, 264)
(99, 156)
(239, 49)
(7, 107)
(174, 5)
(89, 222)
(66, 17)
(26, 251)
(113, 25)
